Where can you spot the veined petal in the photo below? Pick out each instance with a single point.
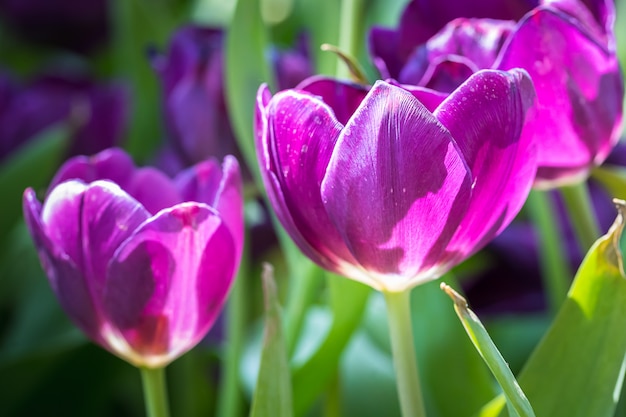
(298, 137)
(67, 281)
(167, 283)
(577, 118)
(428, 97)
(89, 222)
(396, 187)
(486, 117)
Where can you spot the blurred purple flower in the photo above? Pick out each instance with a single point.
(394, 186)
(573, 64)
(96, 113)
(78, 25)
(192, 77)
(140, 262)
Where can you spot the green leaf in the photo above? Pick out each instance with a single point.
(577, 368)
(33, 165)
(246, 69)
(348, 300)
(477, 333)
(272, 396)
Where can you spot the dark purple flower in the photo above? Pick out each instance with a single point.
(573, 64)
(96, 113)
(394, 186)
(77, 25)
(140, 262)
(422, 19)
(192, 77)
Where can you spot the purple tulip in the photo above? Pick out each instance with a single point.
(577, 117)
(140, 262)
(77, 25)
(192, 76)
(96, 113)
(394, 186)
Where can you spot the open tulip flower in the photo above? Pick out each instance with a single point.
(394, 185)
(141, 263)
(577, 117)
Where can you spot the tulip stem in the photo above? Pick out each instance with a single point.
(230, 397)
(302, 292)
(155, 392)
(555, 270)
(349, 32)
(581, 213)
(403, 351)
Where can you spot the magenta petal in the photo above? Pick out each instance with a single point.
(66, 280)
(578, 114)
(153, 189)
(88, 223)
(168, 282)
(486, 116)
(447, 74)
(341, 96)
(431, 99)
(296, 144)
(396, 187)
(111, 164)
(218, 187)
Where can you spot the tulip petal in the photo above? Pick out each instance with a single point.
(168, 282)
(296, 142)
(341, 96)
(153, 189)
(112, 164)
(579, 93)
(67, 282)
(396, 187)
(422, 19)
(431, 99)
(486, 116)
(218, 187)
(88, 223)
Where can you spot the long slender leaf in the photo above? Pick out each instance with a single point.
(247, 68)
(272, 396)
(517, 401)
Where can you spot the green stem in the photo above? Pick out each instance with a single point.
(155, 392)
(349, 31)
(229, 393)
(581, 213)
(555, 270)
(404, 358)
(301, 294)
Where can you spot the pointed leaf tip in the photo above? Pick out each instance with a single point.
(616, 232)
